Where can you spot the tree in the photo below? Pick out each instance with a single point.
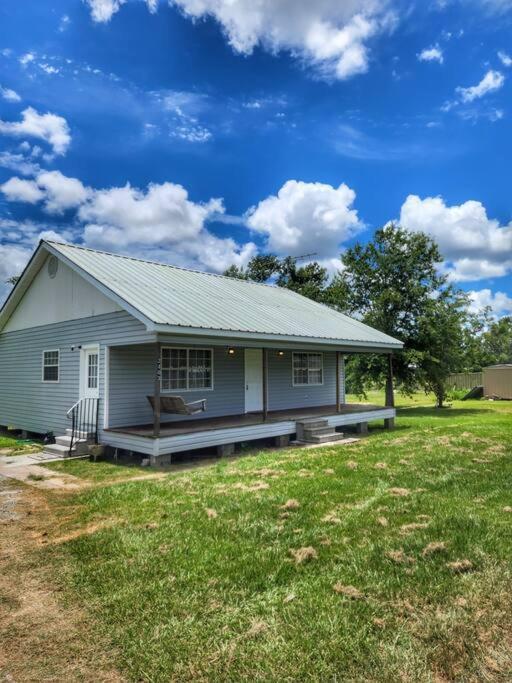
(393, 283)
(497, 342)
(310, 280)
(13, 280)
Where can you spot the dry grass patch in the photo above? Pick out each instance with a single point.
(399, 557)
(348, 591)
(413, 526)
(291, 504)
(399, 492)
(460, 566)
(434, 547)
(305, 554)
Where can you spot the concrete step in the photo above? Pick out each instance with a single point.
(80, 446)
(57, 449)
(313, 423)
(66, 440)
(325, 438)
(317, 431)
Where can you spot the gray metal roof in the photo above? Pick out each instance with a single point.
(176, 297)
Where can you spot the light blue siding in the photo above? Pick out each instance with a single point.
(28, 403)
(132, 379)
(132, 373)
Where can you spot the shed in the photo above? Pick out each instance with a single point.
(498, 381)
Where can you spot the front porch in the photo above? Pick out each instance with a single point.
(225, 431)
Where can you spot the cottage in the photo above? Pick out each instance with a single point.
(157, 359)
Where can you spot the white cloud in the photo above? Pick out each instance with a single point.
(49, 127)
(331, 35)
(475, 246)
(103, 10)
(498, 302)
(431, 54)
(61, 192)
(505, 59)
(306, 218)
(492, 81)
(13, 259)
(9, 95)
(19, 190)
(163, 217)
(18, 163)
(27, 58)
(58, 192)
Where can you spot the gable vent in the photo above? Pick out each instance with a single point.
(53, 266)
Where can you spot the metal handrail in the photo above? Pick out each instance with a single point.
(84, 418)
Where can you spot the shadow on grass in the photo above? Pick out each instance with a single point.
(422, 411)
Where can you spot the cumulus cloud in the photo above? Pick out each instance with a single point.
(499, 302)
(13, 259)
(329, 34)
(492, 81)
(306, 218)
(163, 216)
(505, 59)
(51, 128)
(19, 163)
(475, 246)
(103, 10)
(57, 190)
(20, 190)
(431, 54)
(9, 95)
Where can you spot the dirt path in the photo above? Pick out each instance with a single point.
(41, 639)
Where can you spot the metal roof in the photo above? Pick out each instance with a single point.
(174, 297)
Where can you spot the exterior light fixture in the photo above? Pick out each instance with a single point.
(280, 353)
(231, 351)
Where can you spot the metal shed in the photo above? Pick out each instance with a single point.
(498, 381)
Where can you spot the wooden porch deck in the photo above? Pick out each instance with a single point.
(180, 427)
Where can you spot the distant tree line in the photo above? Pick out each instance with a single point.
(394, 284)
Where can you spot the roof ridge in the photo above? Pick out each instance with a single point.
(160, 263)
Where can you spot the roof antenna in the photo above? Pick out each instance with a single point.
(302, 257)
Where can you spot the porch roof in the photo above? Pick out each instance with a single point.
(181, 301)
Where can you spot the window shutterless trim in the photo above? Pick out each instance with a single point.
(308, 370)
(187, 349)
(53, 365)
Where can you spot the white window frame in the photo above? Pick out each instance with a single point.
(187, 349)
(43, 366)
(308, 384)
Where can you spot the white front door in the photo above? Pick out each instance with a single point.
(253, 380)
(90, 372)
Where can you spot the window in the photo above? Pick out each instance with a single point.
(307, 369)
(186, 369)
(51, 366)
(92, 371)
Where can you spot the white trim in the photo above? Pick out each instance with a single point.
(106, 387)
(308, 384)
(43, 365)
(81, 385)
(187, 349)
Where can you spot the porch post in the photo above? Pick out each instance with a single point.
(390, 399)
(156, 410)
(265, 382)
(338, 393)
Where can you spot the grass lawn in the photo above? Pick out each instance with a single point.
(387, 560)
(13, 446)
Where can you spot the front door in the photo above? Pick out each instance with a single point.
(89, 372)
(253, 380)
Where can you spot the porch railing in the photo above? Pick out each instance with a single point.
(84, 420)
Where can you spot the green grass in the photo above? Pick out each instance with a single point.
(18, 446)
(98, 472)
(192, 576)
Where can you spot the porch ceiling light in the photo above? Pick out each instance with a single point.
(231, 351)
(280, 353)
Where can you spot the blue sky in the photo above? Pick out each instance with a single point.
(201, 132)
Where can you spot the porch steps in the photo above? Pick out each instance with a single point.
(62, 443)
(317, 431)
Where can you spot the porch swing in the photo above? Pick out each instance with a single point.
(175, 405)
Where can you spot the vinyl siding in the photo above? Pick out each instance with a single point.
(132, 377)
(132, 372)
(28, 403)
